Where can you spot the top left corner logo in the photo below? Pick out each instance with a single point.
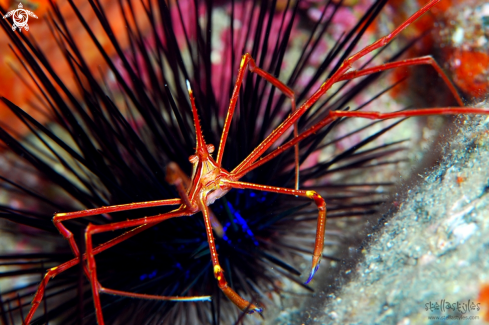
(20, 17)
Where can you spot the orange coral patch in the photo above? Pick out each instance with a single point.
(471, 71)
(484, 300)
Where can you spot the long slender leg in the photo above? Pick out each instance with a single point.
(410, 113)
(51, 273)
(232, 105)
(345, 66)
(320, 203)
(289, 93)
(351, 75)
(333, 115)
(65, 266)
(313, 129)
(429, 60)
(247, 61)
(60, 217)
(90, 256)
(242, 304)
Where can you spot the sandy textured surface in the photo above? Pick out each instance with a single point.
(433, 250)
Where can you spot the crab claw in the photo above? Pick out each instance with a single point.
(311, 275)
(315, 266)
(254, 308)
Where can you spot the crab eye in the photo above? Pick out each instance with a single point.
(210, 148)
(193, 159)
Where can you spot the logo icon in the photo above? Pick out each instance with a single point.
(20, 17)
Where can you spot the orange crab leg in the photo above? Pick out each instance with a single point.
(242, 304)
(285, 146)
(51, 273)
(59, 217)
(333, 115)
(345, 66)
(68, 235)
(247, 60)
(410, 113)
(320, 203)
(348, 76)
(96, 286)
(406, 63)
